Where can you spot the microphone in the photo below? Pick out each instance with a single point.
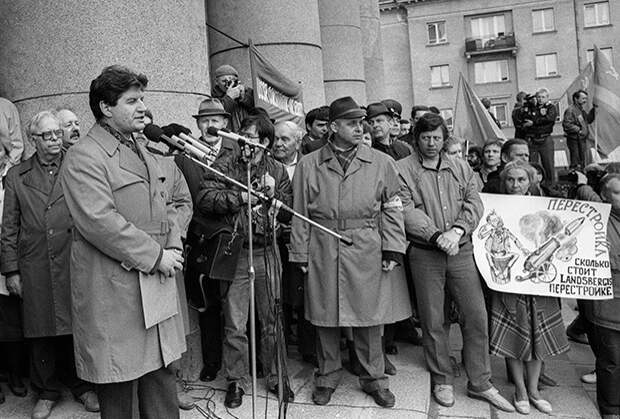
(236, 137)
(156, 134)
(205, 148)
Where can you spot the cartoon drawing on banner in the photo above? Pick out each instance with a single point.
(557, 240)
(550, 236)
(498, 246)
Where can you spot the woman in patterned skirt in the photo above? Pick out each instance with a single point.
(525, 329)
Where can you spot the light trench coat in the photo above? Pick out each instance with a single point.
(346, 285)
(123, 216)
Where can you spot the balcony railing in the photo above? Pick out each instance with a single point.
(500, 43)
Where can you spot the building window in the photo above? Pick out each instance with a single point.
(543, 20)
(488, 27)
(500, 112)
(491, 71)
(447, 116)
(440, 75)
(547, 65)
(596, 14)
(437, 33)
(607, 52)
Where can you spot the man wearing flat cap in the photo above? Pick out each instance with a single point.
(382, 123)
(237, 99)
(346, 286)
(202, 234)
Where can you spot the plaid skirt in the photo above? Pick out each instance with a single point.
(526, 327)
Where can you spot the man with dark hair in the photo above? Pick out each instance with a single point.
(539, 134)
(486, 102)
(517, 116)
(227, 204)
(238, 99)
(349, 285)
(491, 159)
(202, 237)
(442, 209)
(36, 249)
(381, 121)
(316, 127)
(576, 130)
(515, 149)
(416, 113)
(125, 252)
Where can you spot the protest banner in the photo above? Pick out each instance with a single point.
(274, 92)
(544, 246)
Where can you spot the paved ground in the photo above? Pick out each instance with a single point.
(411, 387)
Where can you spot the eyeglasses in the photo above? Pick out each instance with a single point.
(50, 135)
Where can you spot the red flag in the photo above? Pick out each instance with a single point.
(471, 119)
(606, 83)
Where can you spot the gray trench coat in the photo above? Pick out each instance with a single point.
(345, 285)
(123, 216)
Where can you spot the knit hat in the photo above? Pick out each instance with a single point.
(225, 70)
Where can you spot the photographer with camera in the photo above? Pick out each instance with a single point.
(234, 95)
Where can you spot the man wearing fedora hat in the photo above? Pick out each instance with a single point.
(345, 285)
(381, 121)
(201, 235)
(237, 99)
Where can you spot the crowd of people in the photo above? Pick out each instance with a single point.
(109, 238)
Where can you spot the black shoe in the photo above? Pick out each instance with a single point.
(311, 359)
(322, 395)
(288, 394)
(391, 349)
(17, 386)
(390, 369)
(383, 397)
(234, 396)
(208, 373)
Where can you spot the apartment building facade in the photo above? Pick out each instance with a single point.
(500, 47)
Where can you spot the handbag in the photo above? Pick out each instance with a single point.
(224, 255)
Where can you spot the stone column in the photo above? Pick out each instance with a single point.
(286, 33)
(52, 50)
(371, 49)
(343, 61)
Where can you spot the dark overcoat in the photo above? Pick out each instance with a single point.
(36, 242)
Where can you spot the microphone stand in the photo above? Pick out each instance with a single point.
(251, 273)
(251, 277)
(279, 329)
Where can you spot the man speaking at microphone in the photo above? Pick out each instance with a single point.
(125, 251)
(227, 203)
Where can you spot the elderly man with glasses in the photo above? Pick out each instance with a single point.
(36, 248)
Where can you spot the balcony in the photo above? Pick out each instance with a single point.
(498, 44)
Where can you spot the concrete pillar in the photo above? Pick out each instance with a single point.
(371, 49)
(52, 50)
(343, 61)
(286, 33)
